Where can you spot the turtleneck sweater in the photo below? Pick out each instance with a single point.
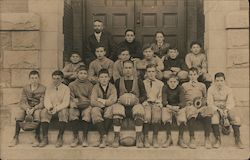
(80, 89)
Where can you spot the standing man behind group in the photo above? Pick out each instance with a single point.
(99, 37)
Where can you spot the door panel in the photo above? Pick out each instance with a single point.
(144, 16)
(164, 15)
(117, 16)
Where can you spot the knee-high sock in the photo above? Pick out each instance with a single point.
(207, 126)
(37, 132)
(75, 125)
(191, 123)
(156, 127)
(85, 128)
(100, 127)
(236, 129)
(168, 128)
(107, 124)
(17, 130)
(216, 130)
(45, 128)
(145, 128)
(62, 126)
(181, 129)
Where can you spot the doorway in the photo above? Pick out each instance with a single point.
(144, 16)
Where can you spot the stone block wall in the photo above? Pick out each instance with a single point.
(227, 46)
(20, 50)
(31, 37)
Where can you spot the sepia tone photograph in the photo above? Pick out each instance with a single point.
(124, 80)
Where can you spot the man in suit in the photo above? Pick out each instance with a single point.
(99, 37)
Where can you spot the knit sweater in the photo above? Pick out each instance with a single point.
(80, 92)
(134, 48)
(71, 67)
(153, 90)
(155, 60)
(96, 65)
(177, 62)
(129, 86)
(174, 97)
(58, 97)
(110, 95)
(197, 60)
(33, 98)
(118, 70)
(193, 90)
(220, 97)
(160, 51)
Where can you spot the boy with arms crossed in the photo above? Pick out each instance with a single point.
(103, 96)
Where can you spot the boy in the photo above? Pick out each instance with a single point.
(152, 105)
(101, 62)
(56, 102)
(173, 105)
(103, 96)
(175, 65)
(150, 58)
(220, 98)
(192, 90)
(133, 46)
(69, 69)
(80, 91)
(129, 84)
(196, 58)
(118, 65)
(31, 103)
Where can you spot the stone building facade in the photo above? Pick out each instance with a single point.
(31, 37)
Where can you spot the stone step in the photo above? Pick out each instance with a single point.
(93, 137)
(26, 152)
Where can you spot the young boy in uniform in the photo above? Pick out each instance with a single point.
(31, 103)
(129, 84)
(152, 105)
(173, 105)
(56, 102)
(150, 58)
(173, 65)
(220, 98)
(118, 65)
(69, 69)
(80, 91)
(192, 90)
(196, 58)
(103, 96)
(101, 62)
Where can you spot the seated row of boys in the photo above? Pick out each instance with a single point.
(166, 59)
(151, 102)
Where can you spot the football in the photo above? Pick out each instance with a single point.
(128, 99)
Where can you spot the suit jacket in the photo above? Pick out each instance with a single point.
(92, 43)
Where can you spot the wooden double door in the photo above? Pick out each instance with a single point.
(144, 16)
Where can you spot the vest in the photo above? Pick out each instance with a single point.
(135, 88)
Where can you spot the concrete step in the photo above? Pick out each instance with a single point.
(93, 137)
(26, 152)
